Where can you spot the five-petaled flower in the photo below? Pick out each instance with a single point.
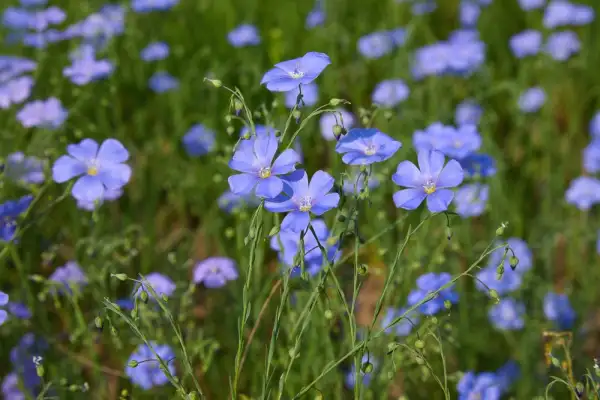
(254, 158)
(431, 180)
(287, 75)
(101, 168)
(214, 272)
(364, 146)
(300, 198)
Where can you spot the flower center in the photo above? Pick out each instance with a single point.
(508, 314)
(457, 144)
(370, 150)
(296, 73)
(92, 170)
(265, 172)
(305, 204)
(214, 270)
(429, 187)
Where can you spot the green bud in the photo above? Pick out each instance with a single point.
(39, 370)
(391, 347)
(73, 388)
(246, 135)
(134, 313)
(297, 114)
(114, 331)
(494, 294)
(274, 231)
(144, 297)
(366, 368)
(121, 277)
(433, 320)
(164, 298)
(216, 82)
(555, 362)
(328, 314)
(341, 218)
(514, 261)
(365, 120)
(419, 344)
(230, 130)
(388, 115)
(192, 396)
(133, 363)
(229, 233)
(338, 130)
(98, 322)
(448, 304)
(363, 269)
(237, 105)
(335, 102)
(37, 278)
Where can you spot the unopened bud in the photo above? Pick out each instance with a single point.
(216, 82)
(419, 344)
(121, 277)
(363, 269)
(144, 296)
(133, 363)
(335, 102)
(514, 261)
(367, 368)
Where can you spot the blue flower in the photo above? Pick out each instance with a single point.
(526, 43)
(289, 74)
(68, 277)
(557, 309)
(431, 180)
(519, 249)
(583, 192)
(365, 377)
(146, 6)
(125, 304)
(102, 168)
(507, 315)
(33, 3)
(301, 198)
(484, 386)
(404, 326)
(21, 358)
(470, 200)
(478, 165)
(230, 201)
(562, 45)
(9, 212)
(244, 35)
(12, 67)
(355, 182)
(199, 140)
(390, 93)
(148, 374)
(47, 114)
(214, 272)
(426, 285)
(15, 90)
(468, 113)
(19, 310)
(532, 99)
(155, 51)
(3, 302)
(560, 13)
(315, 18)
(85, 68)
(469, 13)
(109, 194)
(287, 243)
(162, 82)
(364, 146)
(398, 36)
(528, 5)
(310, 95)
(591, 157)
(28, 170)
(434, 137)
(329, 120)
(487, 280)
(508, 374)
(162, 285)
(254, 158)
(463, 141)
(11, 388)
(376, 45)
(595, 125)
(460, 55)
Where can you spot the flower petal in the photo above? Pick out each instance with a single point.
(111, 150)
(451, 176)
(409, 199)
(114, 176)
(430, 162)
(285, 163)
(269, 188)
(88, 188)
(280, 204)
(67, 168)
(296, 221)
(439, 200)
(3, 316)
(407, 175)
(85, 150)
(320, 184)
(326, 203)
(242, 183)
(265, 147)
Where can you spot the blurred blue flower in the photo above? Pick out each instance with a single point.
(431, 180)
(3, 302)
(560, 13)
(595, 125)
(468, 113)
(433, 137)
(101, 168)
(557, 309)
(33, 3)
(155, 51)
(214, 272)
(364, 146)
(404, 326)
(478, 165)
(470, 199)
(109, 194)
(148, 374)
(310, 95)
(426, 285)
(20, 168)
(532, 99)
(68, 277)
(487, 280)
(85, 68)
(199, 140)
(11, 388)
(289, 74)
(98, 28)
(421, 7)
(255, 159)
(244, 35)
(508, 374)
(375, 45)
(14, 91)
(562, 45)
(398, 36)
(160, 283)
(390, 92)
(21, 358)
(583, 192)
(230, 201)
(507, 314)
(287, 244)
(591, 157)
(582, 14)
(47, 114)
(162, 82)
(19, 310)
(528, 5)
(461, 55)
(125, 304)
(12, 67)
(519, 248)
(339, 117)
(355, 182)
(315, 17)
(146, 6)
(526, 43)
(9, 212)
(365, 377)
(469, 12)
(484, 386)
(300, 198)
(463, 141)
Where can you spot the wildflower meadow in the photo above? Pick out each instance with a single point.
(330, 199)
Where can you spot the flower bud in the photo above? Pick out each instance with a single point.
(366, 368)
(335, 102)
